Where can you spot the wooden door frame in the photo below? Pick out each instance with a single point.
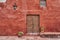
(38, 20)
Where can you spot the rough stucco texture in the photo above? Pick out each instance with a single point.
(13, 21)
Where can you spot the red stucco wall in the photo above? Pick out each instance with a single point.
(13, 21)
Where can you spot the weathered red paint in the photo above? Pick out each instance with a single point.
(12, 21)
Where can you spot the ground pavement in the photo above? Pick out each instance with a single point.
(26, 38)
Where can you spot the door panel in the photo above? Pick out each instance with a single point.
(29, 24)
(36, 29)
(32, 24)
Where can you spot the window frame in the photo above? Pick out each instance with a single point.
(41, 4)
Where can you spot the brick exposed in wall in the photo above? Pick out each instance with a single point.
(13, 21)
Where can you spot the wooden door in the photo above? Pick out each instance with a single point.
(33, 23)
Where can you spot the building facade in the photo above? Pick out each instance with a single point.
(29, 16)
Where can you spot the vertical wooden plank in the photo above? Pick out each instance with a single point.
(29, 24)
(36, 22)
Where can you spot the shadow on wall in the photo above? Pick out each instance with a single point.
(1, 5)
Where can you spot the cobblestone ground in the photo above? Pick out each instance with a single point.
(26, 38)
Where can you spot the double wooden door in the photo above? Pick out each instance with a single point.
(33, 23)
